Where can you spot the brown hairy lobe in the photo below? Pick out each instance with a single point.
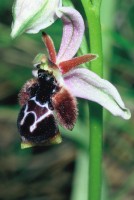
(65, 106)
(25, 92)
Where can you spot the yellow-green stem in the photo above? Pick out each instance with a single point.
(92, 11)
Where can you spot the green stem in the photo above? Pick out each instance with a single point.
(92, 10)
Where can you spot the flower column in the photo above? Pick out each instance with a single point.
(92, 10)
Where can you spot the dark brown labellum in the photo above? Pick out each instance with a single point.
(40, 98)
(36, 122)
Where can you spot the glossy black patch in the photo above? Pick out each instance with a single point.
(47, 86)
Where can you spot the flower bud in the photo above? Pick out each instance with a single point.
(31, 15)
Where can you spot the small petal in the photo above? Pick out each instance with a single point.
(50, 46)
(31, 16)
(86, 84)
(72, 33)
(66, 66)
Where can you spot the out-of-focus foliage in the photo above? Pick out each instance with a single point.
(46, 173)
(119, 138)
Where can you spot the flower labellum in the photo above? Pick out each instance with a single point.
(31, 16)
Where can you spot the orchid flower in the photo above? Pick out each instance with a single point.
(62, 72)
(81, 82)
(33, 16)
(51, 97)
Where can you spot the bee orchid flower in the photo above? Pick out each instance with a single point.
(51, 97)
(59, 79)
(82, 82)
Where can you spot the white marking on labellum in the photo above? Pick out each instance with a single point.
(39, 104)
(25, 114)
(37, 120)
(33, 127)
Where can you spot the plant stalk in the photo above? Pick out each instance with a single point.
(92, 11)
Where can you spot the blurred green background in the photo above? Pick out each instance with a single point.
(60, 172)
